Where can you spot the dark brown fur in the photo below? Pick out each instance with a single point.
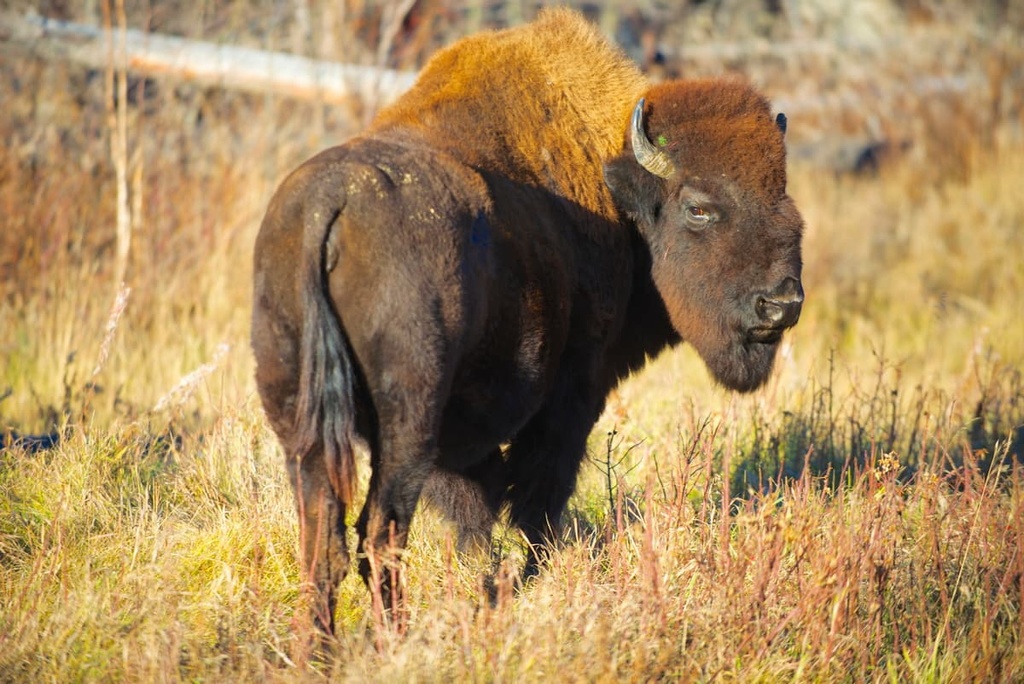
(462, 285)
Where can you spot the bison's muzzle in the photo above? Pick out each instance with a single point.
(776, 311)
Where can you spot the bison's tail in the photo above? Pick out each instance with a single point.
(325, 410)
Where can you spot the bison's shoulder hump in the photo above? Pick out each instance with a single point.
(558, 70)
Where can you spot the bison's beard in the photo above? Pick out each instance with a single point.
(735, 359)
(740, 358)
(741, 365)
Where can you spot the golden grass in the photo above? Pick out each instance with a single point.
(860, 519)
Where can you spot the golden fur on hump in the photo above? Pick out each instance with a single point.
(545, 103)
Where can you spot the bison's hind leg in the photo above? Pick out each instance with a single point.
(325, 557)
(383, 526)
(324, 551)
(402, 456)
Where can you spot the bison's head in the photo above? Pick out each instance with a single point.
(703, 176)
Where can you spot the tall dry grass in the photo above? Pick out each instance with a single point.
(860, 519)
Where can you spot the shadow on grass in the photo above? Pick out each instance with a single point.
(834, 438)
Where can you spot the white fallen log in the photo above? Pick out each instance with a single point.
(210, 64)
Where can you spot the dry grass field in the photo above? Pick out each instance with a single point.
(859, 519)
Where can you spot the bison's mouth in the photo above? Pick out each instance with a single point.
(743, 363)
(764, 335)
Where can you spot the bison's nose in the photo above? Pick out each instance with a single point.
(781, 307)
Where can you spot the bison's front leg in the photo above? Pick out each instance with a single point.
(470, 499)
(543, 461)
(325, 558)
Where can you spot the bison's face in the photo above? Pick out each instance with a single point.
(707, 191)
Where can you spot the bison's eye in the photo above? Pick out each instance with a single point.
(697, 216)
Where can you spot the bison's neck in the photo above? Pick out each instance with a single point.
(647, 329)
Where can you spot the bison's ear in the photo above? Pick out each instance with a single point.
(636, 192)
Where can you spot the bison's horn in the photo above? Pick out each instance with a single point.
(780, 121)
(647, 155)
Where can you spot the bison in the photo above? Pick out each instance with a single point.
(460, 286)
